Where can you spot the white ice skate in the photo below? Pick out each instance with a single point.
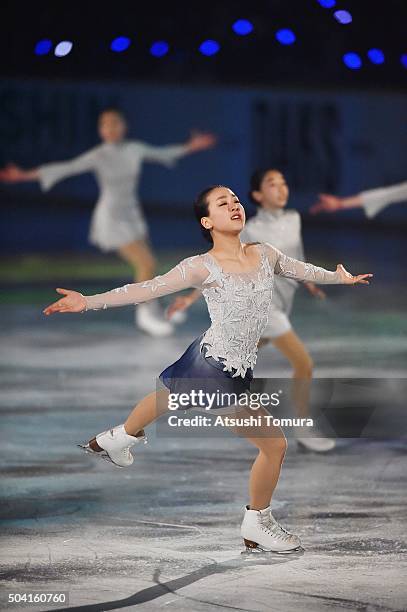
(147, 318)
(114, 445)
(261, 532)
(320, 444)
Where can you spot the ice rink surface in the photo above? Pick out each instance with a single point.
(164, 534)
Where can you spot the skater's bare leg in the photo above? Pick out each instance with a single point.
(265, 472)
(139, 255)
(290, 345)
(150, 408)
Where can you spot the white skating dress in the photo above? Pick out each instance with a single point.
(238, 304)
(282, 228)
(117, 218)
(375, 200)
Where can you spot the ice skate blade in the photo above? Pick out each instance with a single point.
(254, 548)
(100, 454)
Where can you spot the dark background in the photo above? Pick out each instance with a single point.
(297, 107)
(256, 59)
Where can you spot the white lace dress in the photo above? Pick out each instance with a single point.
(238, 305)
(117, 218)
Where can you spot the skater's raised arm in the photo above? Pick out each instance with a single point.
(331, 203)
(169, 154)
(190, 272)
(49, 174)
(372, 200)
(299, 270)
(14, 174)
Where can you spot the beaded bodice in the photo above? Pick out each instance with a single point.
(238, 305)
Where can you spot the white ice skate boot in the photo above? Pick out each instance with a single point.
(320, 444)
(114, 445)
(261, 532)
(147, 318)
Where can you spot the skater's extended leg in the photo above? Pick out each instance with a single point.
(114, 444)
(139, 255)
(290, 345)
(150, 408)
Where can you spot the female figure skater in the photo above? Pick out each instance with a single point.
(118, 222)
(236, 280)
(372, 201)
(282, 228)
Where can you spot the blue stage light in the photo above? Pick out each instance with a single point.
(403, 59)
(63, 48)
(343, 17)
(209, 47)
(376, 56)
(285, 36)
(159, 48)
(327, 3)
(43, 47)
(242, 27)
(119, 44)
(352, 61)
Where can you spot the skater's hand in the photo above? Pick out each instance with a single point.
(315, 291)
(72, 302)
(200, 141)
(14, 174)
(326, 203)
(180, 304)
(348, 279)
(11, 174)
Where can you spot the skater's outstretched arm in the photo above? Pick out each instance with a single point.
(299, 270)
(331, 203)
(190, 272)
(169, 154)
(49, 174)
(14, 174)
(372, 200)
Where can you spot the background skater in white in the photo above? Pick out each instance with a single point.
(236, 280)
(118, 222)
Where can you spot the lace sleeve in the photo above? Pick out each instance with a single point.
(49, 174)
(299, 270)
(190, 272)
(167, 155)
(375, 200)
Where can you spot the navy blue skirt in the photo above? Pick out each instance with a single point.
(194, 372)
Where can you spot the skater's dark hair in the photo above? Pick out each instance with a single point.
(256, 180)
(201, 209)
(112, 109)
